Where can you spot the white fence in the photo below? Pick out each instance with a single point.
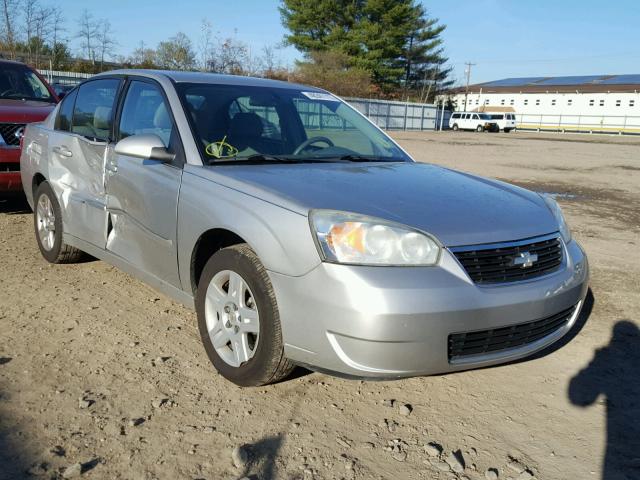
(623, 124)
(64, 78)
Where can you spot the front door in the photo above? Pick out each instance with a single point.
(142, 194)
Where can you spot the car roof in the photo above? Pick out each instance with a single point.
(211, 78)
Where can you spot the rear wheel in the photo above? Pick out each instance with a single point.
(47, 219)
(238, 318)
(455, 127)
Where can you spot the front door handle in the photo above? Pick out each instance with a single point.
(63, 151)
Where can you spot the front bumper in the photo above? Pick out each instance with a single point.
(10, 180)
(390, 322)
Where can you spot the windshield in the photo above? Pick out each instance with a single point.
(237, 122)
(21, 83)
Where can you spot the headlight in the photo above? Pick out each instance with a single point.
(557, 212)
(360, 240)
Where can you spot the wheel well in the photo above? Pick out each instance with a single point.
(209, 243)
(38, 178)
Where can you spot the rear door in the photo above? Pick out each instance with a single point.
(142, 194)
(77, 149)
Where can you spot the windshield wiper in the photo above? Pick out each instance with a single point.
(366, 158)
(256, 158)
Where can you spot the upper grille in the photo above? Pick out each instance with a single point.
(505, 338)
(511, 262)
(8, 132)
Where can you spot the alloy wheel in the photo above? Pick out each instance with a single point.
(232, 318)
(46, 222)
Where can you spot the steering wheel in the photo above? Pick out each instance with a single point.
(311, 141)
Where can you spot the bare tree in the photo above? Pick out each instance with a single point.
(29, 11)
(10, 9)
(43, 22)
(206, 44)
(105, 39)
(88, 33)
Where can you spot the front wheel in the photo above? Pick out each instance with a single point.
(47, 220)
(238, 319)
(455, 127)
(480, 128)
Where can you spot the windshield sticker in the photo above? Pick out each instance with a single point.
(221, 149)
(320, 96)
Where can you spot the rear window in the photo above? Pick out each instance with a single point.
(497, 117)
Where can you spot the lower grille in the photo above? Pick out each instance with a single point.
(512, 261)
(504, 338)
(8, 132)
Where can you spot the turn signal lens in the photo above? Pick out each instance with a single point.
(356, 239)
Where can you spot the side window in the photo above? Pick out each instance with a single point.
(455, 115)
(93, 112)
(476, 117)
(145, 111)
(65, 112)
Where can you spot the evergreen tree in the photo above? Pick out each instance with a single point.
(393, 40)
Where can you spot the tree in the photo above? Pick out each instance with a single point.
(424, 60)
(332, 71)
(176, 53)
(10, 9)
(88, 32)
(393, 40)
(60, 56)
(143, 57)
(105, 41)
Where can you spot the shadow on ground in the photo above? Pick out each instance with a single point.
(14, 204)
(612, 379)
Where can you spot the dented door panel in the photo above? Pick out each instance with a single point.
(76, 170)
(142, 207)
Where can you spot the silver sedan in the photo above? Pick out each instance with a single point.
(298, 230)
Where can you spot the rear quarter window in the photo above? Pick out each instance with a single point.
(65, 112)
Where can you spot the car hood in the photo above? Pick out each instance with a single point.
(19, 111)
(457, 208)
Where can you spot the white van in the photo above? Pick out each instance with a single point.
(506, 121)
(480, 122)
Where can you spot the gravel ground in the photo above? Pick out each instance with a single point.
(102, 377)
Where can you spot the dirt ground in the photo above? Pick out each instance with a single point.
(98, 369)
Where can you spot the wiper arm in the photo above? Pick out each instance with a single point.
(256, 158)
(364, 158)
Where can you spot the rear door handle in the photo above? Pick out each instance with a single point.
(112, 166)
(63, 151)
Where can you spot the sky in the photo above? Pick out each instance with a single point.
(503, 38)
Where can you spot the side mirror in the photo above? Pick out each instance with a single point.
(146, 146)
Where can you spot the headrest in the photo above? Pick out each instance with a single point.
(102, 118)
(245, 124)
(161, 118)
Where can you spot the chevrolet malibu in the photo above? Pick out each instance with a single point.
(299, 231)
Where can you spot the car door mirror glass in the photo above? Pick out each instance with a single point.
(146, 146)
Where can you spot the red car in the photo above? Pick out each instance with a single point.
(25, 97)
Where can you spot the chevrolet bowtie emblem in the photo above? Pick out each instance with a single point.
(525, 259)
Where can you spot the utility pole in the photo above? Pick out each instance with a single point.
(466, 92)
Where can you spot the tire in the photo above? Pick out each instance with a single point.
(455, 127)
(47, 223)
(223, 314)
(480, 128)
(507, 130)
